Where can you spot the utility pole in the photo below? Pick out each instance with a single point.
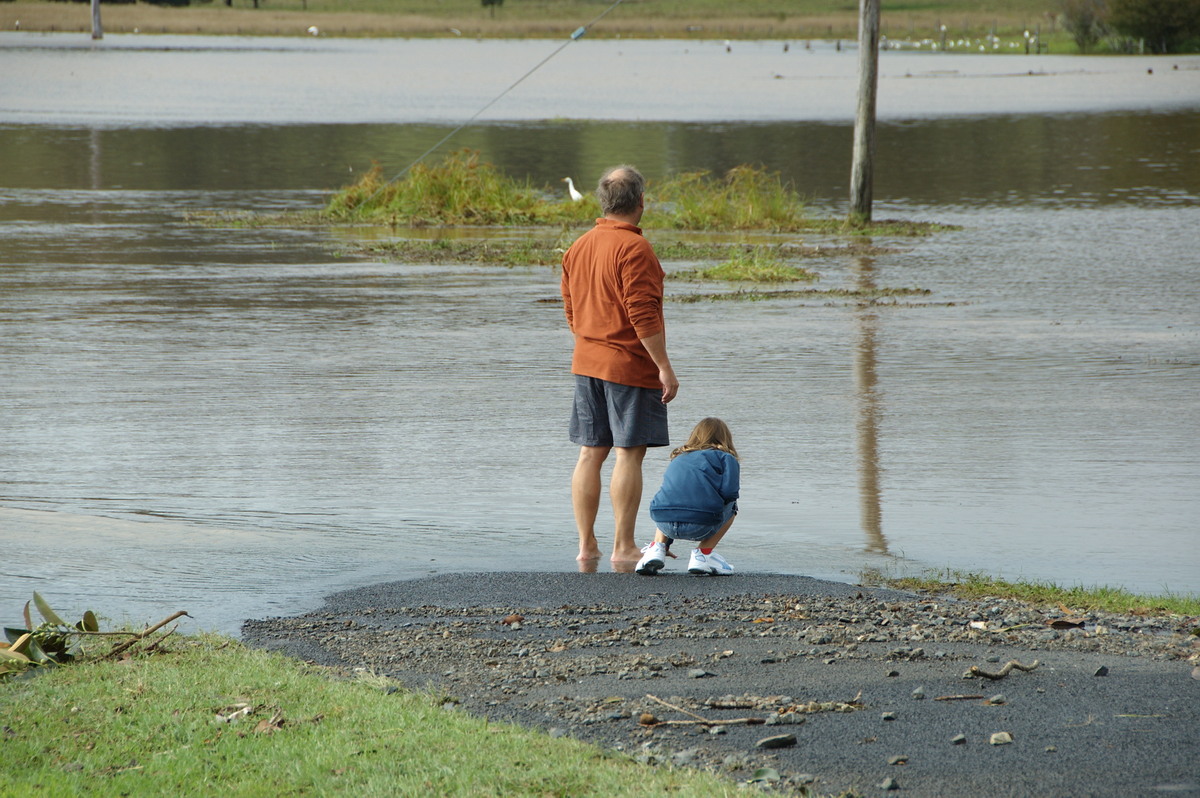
(863, 167)
(97, 31)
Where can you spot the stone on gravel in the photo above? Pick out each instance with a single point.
(1001, 738)
(778, 741)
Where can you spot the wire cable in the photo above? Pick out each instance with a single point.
(576, 35)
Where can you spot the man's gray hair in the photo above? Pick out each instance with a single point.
(620, 190)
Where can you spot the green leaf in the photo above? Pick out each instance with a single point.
(22, 642)
(28, 620)
(15, 656)
(45, 610)
(12, 635)
(89, 623)
(36, 653)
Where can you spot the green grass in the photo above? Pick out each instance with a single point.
(149, 727)
(976, 586)
(700, 18)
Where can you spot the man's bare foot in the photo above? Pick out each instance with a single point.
(626, 555)
(588, 553)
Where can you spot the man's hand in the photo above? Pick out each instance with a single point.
(656, 347)
(670, 384)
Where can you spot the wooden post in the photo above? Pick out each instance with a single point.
(862, 168)
(97, 31)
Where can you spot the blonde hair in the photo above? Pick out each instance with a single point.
(710, 433)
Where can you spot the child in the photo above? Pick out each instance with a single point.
(697, 500)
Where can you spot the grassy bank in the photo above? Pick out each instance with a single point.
(977, 586)
(696, 19)
(206, 715)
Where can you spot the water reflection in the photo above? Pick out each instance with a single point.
(1082, 160)
(866, 384)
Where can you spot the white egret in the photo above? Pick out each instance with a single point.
(313, 30)
(575, 195)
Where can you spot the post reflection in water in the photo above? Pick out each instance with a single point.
(867, 417)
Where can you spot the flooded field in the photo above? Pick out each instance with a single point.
(237, 421)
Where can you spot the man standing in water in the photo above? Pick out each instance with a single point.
(612, 288)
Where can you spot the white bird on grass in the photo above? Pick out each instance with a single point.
(574, 192)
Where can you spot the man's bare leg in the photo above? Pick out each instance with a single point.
(585, 498)
(625, 490)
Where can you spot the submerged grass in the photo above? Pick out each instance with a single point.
(872, 296)
(533, 251)
(976, 586)
(214, 716)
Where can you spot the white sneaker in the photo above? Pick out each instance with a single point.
(713, 564)
(654, 557)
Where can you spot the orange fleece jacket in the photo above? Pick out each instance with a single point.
(612, 289)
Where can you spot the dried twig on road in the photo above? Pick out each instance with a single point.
(975, 670)
(699, 721)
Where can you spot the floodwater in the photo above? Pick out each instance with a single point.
(236, 421)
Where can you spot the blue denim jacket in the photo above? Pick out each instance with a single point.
(696, 488)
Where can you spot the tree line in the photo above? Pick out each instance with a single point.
(1157, 26)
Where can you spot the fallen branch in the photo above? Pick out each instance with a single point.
(730, 722)
(699, 721)
(677, 709)
(139, 636)
(154, 646)
(975, 670)
(956, 697)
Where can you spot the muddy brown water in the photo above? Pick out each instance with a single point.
(237, 421)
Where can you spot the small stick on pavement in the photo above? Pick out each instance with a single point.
(677, 709)
(975, 670)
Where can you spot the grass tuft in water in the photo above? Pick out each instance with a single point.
(977, 586)
(750, 265)
(460, 190)
(747, 198)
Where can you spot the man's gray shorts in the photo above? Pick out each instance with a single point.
(610, 414)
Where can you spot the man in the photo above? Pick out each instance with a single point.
(612, 288)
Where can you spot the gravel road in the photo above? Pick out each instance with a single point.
(864, 690)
